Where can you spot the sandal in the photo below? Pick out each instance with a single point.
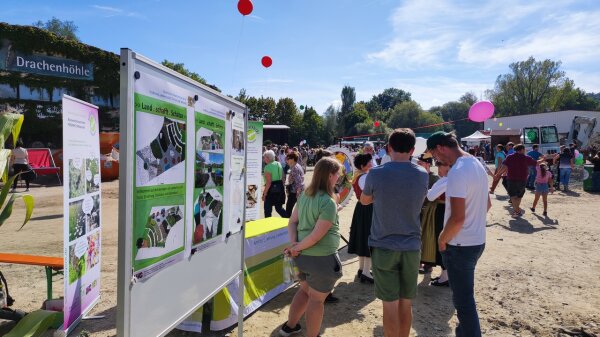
(516, 214)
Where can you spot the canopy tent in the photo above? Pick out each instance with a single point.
(476, 137)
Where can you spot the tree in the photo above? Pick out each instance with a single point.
(348, 99)
(389, 98)
(527, 88)
(180, 68)
(66, 29)
(312, 126)
(457, 112)
(286, 113)
(357, 116)
(330, 126)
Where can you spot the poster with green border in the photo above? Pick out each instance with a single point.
(160, 177)
(209, 180)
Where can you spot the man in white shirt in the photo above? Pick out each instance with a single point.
(463, 239)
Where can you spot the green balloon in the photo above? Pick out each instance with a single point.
(302, 107)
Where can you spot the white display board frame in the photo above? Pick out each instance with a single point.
(155, 306)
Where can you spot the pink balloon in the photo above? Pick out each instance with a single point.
(481, 111)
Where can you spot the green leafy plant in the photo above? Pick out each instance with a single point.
(7, 206)
(11, 124)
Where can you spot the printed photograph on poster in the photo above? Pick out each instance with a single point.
(93, 250)
(208, 211)
(160, 150)
(84, 216)
(77, 177)
(237, 143)
(251, 196)
(93, 217)
(209, 169)
(77, 257)
(208, 140)
(92, 175)
(163, 232)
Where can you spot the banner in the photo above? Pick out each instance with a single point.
(82, 205)
(254, 164)
(159, 191)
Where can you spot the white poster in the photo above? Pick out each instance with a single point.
(82, 205)
(237, 188)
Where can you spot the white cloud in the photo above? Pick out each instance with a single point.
(441, 33)
(114, 11)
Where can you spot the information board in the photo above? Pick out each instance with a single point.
(180, 224)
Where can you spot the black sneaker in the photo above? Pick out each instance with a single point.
(331, 299)
(287, 331)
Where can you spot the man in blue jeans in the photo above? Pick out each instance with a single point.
(462, 240)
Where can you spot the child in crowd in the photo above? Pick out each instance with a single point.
(543, 185)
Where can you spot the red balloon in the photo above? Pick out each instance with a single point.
(245, 7)
(266, 61)
(376, 124)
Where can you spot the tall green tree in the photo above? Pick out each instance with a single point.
(66, 29)
(527, 88)
(286, 113)
(330, 125)
(312, 127)
(348, 99)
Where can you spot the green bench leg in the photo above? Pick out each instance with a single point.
(49, 281)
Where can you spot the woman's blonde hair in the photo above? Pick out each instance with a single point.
(320, 179)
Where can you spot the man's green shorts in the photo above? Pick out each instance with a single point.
(395, 273)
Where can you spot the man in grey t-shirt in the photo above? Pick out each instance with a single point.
(397, 190)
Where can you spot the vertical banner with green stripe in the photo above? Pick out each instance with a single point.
(254, 170)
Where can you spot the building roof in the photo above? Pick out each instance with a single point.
(276, 127)
(561, 119)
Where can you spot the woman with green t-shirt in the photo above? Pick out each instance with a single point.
(273, 192)
(313, 230)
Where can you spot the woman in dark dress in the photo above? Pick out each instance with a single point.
(437, 195)
(360, 229)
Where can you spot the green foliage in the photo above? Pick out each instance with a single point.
(65, 29)
(312, 127)
(43, 116)
(387, 100)
(7, 207)
(180, 68)
(527, 88)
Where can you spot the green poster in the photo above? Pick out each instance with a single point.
(208, 179)
(159, 191)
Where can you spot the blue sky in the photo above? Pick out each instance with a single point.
(435, 49)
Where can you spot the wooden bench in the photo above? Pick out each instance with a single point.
(53, 265)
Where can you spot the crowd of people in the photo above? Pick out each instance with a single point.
(408, 219)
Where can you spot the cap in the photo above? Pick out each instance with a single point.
(426, 157)
(437, 138)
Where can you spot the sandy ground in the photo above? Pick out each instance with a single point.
(536, 275)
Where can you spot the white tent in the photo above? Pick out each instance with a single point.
(475, 138)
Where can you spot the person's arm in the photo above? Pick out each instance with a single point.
(489, 203)
(366, 197)
(267, 185)
(455, 222)
(321, 228)
(500, 162)
(293, 226)
(572, 162)
(500, 171)
(438, 188)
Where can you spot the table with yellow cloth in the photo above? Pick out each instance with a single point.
(263, 275)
